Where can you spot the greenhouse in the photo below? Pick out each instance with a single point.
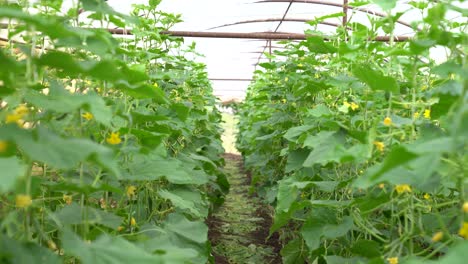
(240, 131)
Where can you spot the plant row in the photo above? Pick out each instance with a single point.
(109, 145)
(360, 146)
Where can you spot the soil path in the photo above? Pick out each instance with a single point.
(239, 228)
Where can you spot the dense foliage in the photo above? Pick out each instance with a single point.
(109, 146)
(360, 145)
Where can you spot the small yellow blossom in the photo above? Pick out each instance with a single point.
(131, 191)
(402, 188)
(465, 207)
(437, 236)
(132, 222)
(387, 121)
(3, 146)
(354, 106)
(416, 115)
(379, 145)
(51, 244)
(283, 101)
(286, 79)
(23, 201)
(21, 110)
(88, 116)
(67, 199)
(13, 118)
(382, 185)
(393, 260)
(155, 85)
(427, 113)
(120, 228)
(427, 196)
(424, 87)
(464, 230)
(114, 138)
(299, 65)
(345, 103)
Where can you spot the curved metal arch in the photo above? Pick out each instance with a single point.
(277, 20)
(321, 2)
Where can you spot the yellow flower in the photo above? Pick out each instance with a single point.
(132, 222)
(416, 115)
(402, 188)
(286, 79)
(427, 113)
(68, 199)
(382, 185)
(437, 236)
(283, 101)
(345, 103)
(387, 121)
(3, 146)
(155, 84)
(465, 207)
(114, 138)
(427, 196)
(13, 118)
(392, 260)
(51, 244)
(299, 65)
(379, 145)
(23, 201)
(464, 230)
(354, 106)
(120, 228)
(131, 191)
(88, 116)
(21, 110)
(424, 87)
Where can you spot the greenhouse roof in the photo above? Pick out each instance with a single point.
(231, 60)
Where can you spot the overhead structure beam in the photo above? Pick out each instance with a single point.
(275, 20)
(322, 2)
(261, 35)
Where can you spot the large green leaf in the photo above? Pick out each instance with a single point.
(12, 169)
(64, 102)
(74, 214)
(375, 79)
(154, 167)
(106, 250)
(185, 200)
(12, 251)
(58, 152)
(293, 252)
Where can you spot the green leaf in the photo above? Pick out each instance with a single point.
(12, 169)
(293, 133)
(456, 254)
(12, 251)
(317, 45)
(292, 253)
(319, 111)
(193, 231)
(154, 167)
(397, 157)
(65, 102)
(376, 80)
(105, 250)
(180, 202)
(72, 215)
(386, 4)
(366, 248)
(295, 159)
(61, 153)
